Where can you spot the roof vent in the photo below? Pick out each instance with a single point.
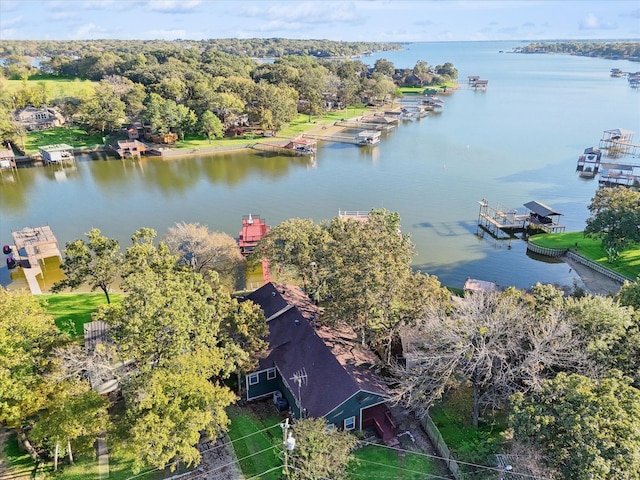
(297, 321)
(273, 294)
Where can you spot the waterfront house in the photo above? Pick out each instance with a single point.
(318, 371)
(32, 118)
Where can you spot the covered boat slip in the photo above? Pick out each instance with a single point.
(501, 221)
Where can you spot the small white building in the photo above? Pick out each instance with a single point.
(60, 153)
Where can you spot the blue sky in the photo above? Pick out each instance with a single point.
(359, 20)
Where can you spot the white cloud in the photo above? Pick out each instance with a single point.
(173, 6)
(10, 22)
(91, 31)
(593, 22)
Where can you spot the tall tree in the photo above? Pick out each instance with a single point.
(320, 452)
(104, 111)
(296, 246)
(27, 336)
(73, 414)
(492, 341)
(94, 262)
(366, 268)
(206, 251)
(211, 125)
(169, 408)
(589, 428)
(174, 327)
(615, 217)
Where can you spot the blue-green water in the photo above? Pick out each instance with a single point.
(516, 142)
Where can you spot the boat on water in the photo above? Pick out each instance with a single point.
(368, 137)
(253, 230)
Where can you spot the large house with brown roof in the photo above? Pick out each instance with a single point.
(319, 371)
(33, 118)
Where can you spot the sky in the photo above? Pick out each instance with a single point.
(349, 20)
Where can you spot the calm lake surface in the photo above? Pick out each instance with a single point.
(516, 142)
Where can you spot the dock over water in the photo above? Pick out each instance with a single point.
(32, 245)
(504, 222)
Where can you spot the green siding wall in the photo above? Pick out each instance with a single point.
(351, 407)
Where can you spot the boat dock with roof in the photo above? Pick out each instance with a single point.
(503, 222)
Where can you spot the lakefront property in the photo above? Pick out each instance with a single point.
(349, 330)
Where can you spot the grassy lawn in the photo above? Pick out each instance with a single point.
(247, 442)
(56, 87)
(76, 137)
(627, 264)
(20, 466)
(468, 444)
(298, 126)
(72, 310)
(376, 461)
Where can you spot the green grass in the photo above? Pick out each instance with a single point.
(72, 310)
(19, 464)
(627, 264)
(377, 461)
(56, 87)
(76, 137)
(467, 443)
(247, 442)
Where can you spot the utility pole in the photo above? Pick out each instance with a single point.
(289, 444)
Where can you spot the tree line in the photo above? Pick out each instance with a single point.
(247, 47)
(565, 366)
(191, 91)
(592, 49)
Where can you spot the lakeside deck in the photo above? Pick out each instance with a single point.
(32, 246)
(503, 222)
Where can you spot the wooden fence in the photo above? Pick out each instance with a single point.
(441, 447)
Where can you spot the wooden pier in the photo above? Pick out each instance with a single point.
(503, 222)
(32, 245)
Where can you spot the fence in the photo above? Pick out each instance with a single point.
(595, 266)
(441, 447)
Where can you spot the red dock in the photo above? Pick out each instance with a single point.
(253, 229)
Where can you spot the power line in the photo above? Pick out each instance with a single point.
(207, 450)
(430, 475)
(495, 469)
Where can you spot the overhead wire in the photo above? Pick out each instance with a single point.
(215, 447)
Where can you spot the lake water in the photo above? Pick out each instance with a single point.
(516, 142)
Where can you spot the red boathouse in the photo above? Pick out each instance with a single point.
(253, 229)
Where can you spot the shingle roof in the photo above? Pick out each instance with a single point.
(336, 366)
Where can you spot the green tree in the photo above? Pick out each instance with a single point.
(104, 111)
(589, 428)
(211, 125)
(296, 248)
(170, 406)
(175, 328)
(629, 294)
(603, 324)
(320, 452)
(384, 67)
(27, 336)
(94, 262)
(366, 266)
(615, 216)
(74, 413)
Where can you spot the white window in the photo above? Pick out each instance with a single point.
(331, 427)
(271, 374)
(350, 423)
(254, 378)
